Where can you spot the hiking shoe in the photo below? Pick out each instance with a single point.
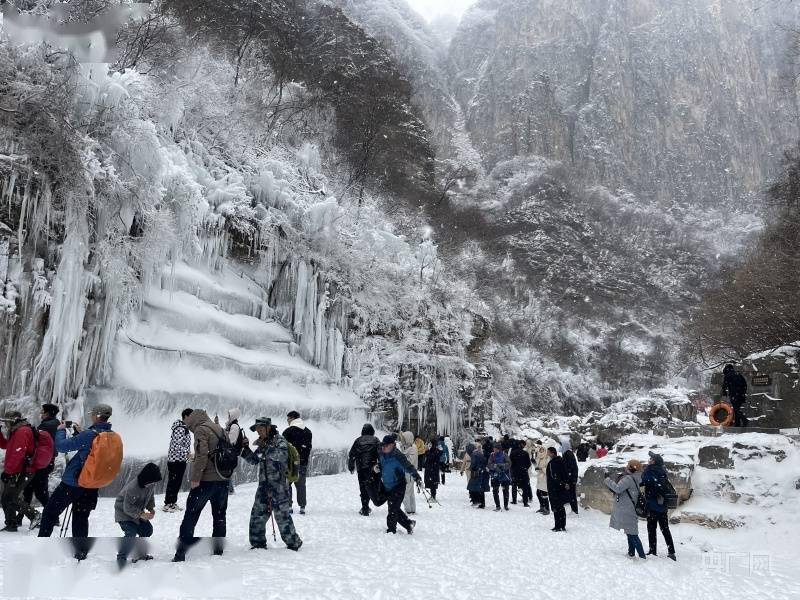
(218, 552)
(365, 512)
(80, 555)
(651, 552)
(391, 531)
(122, 562)
(672, 556)
(296, 548)
(179, 558)
(302, 511)
(258, 547)
(410, 529)
(505, 507)
(496, 509)
(36, 521)
(143, 557)
(9, 529)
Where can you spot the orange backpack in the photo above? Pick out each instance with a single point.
(104, 461)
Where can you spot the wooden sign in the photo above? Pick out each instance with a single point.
(760, 380)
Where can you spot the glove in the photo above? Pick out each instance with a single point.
(5, 477)
(417, 478)
(376, 469)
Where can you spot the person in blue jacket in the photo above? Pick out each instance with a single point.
(68, 492)
(652, 479)
(393, 468)
(500, 474)
(444, 457)
(479, 482)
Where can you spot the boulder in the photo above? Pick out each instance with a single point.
(715, 457)
(712, 521)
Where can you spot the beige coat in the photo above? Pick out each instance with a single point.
(541, 461)
(409, 448)
(205, 440)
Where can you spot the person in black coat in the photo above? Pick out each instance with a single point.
(362, 458)
(299, 436)
(571, 469)
(38, 485)
(734, 386)
(432, 468)
(488, 447)
(520, 475)
(583, 452)
(557, 488)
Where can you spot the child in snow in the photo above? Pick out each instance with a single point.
(134, 508)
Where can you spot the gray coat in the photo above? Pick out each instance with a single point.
(132, 501)
(624, 514)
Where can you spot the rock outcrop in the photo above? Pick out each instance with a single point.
(681, 101)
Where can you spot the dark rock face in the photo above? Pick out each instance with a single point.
(676, 101)
(715, 457)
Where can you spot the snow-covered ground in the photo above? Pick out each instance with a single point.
(456, 552)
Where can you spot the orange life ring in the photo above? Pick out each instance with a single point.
(721, 415)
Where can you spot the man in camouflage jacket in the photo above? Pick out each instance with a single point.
(273, 494)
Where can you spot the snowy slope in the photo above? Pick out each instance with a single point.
(205, 339)
(456, 552)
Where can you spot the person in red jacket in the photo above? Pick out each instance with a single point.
(18, 471)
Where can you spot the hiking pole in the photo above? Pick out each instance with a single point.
(272, 517)
(65, 523)
(421, 491)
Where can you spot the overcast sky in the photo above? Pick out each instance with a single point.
(432, 8)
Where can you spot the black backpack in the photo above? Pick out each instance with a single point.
(225, 456)
(640, 506)
(667, 495)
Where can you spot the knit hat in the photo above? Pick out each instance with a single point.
(389, 439)
(657, 458)
(150, 473)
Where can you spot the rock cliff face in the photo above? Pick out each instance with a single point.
(676, 100)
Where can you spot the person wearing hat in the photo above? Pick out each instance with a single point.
(69, 493)
(17, 474)
(134, 508)
(299, 436)
(654, 479)
(362, 458)
(273, 495)
(39, 485)
(623, 515)
(393, 468)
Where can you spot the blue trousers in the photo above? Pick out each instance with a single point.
(83, 502)
(635, 545)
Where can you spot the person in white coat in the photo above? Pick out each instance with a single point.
(541, 460)
(409, 448)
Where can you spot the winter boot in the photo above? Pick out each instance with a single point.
(672, 556)
(411, 524)
(652, 552)
(9, 529)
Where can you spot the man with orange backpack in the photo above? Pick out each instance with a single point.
(97, 460)
(27, 451)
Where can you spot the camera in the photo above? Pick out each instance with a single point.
(67, 424)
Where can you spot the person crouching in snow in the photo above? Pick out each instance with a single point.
(626, 494)
(393, 468)
(134, 508)
(273, 495)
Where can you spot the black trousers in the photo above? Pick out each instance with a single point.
(524, 485)
(739, 419)
(39, 486)
(83, 502)
(559, 515)
(366, 487)
(394, 499)
(175, 472)
(215, 492)
(478, 498)
(496, 494)
(544, 503)
(13, 500)
(655, 520)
